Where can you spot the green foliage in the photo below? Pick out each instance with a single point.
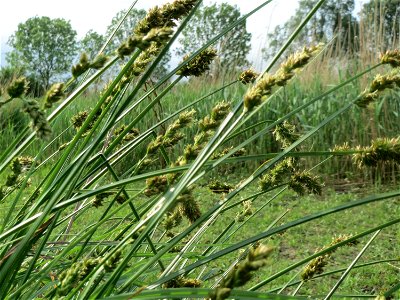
(44, 47)
(91, 43)
(334, 17)
(232, 48)
(383, 22)
(123, 208)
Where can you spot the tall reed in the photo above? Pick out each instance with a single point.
(119, 194)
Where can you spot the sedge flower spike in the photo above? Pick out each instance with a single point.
(54, 94)
(378, 85)
(18, 87)
(198, 65)
(262, 89)
(391, 57)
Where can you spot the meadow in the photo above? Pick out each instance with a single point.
(276, 184)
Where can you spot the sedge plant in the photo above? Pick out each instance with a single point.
(115, 212)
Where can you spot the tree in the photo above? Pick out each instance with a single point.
(206, 23)
(333, 17)
(382, 19)
(126, 29)
(44, 47)
(91, 43)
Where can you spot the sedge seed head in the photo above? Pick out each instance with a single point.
(18, 87)
(54, 94)
(248, 76)
(391, 57)
(199, 64)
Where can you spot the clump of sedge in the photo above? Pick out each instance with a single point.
(242, 273)
(316, 266)
(246, 211)
(382, 150)
(378, 85)
(199, 64)
(39, 121)
(85, 64)
(391, 57)
(181, 282)
(248, 76)
(18, 87)
(260, 91)
(54, 94)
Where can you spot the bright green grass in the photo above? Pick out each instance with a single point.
(292, 245)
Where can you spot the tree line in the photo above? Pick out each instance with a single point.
(44, 49)
(378, 25)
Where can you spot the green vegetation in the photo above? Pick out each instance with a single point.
(44, 47)
(233, 48)
(191, 186)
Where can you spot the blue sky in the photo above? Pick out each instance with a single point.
(93, 14)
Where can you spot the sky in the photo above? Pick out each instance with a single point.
(93, 14)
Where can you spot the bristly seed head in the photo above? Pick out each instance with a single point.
(248, 76)
(199, 64)
(391, 57)
(263, 88)
(382, 150)
(316, 266)
(54, 94)
(39, 121)
(18, 87)
(379, 84)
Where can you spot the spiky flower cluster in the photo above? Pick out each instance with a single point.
(316, 266)
(378, 85)
(18, 87)
(81, 269)
(156, 36)
(381, 150)
(219, 187)
(156, 185)
(285, 133)
(391, 57)
(305, 182)
(276, 176)
(246, 211)
(260, 91)
(164, 16)
(248, 76)
(85, 63)
(181, 282)
(99, 198)
(198, 65)
(132, 133)
(79, 119)
(187, 207)
(155, 28)
(77, 272)
(242, 273)
(38, 117)
(206, 127)
(225, 151)
(172, 220)
(341, 148)
(172, 135)
(19, 166)
(54, 94)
